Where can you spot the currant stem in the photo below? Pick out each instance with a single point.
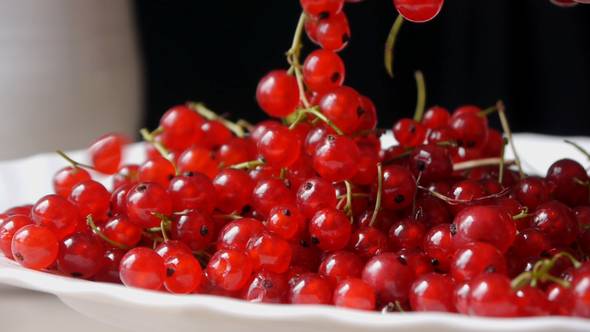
(150, 138)
(488, 111)
(248, 164)
(208, 114)
(420, 96)
(379, 194)
(293, 59)
(74, 163)
(522, 214)
(232, 216)
(390, 44)
(416, 194)
(348, 206)
(576, 263)
(454, 201)
(165, 223)
(508, 133)
(578, 147)
(502, 162)
(97, 231)
(316, 112)
(465, 165)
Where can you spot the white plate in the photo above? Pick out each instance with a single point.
(146, 311)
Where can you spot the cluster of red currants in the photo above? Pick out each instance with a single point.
(310, 209)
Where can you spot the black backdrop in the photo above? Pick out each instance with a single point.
(533, 55)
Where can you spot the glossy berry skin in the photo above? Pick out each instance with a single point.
(323, 70)
(145, 199)
(490, 224)
(279, 146)
(142, 268)
(494, 144)
(432, 211)
(342, 106)
(490, 295)
(269, 252)
(560, 299)
(556, 221)
(233, 189)
(35, 247)
(311, 289)
(471, 129)
(406, 234)
(436, 117)
(159, 170)
(119, 199)
(315, 194)
(475, 258)
(237, 150)
(409, 133)
(314, 138)
(126, 175)
(236, 234)
(285, 221)
(354, 293)
(399, 187)
(80, 255)
(119, 229)
(7, 229)
(333, 33)
(330, 229)
(369, 241)
(229, 269)
(438, 245)
(193, 228)
(418, 11)
(267, 287)
(57, 213)
(561, 175)
(581, 293)
(461, 297)
(341, 265)
(68, 177)
(433, 162)
(389, 276)
(336, 158)
(183, 273)
(368, 118)
(531, 192)
(532, 301)
(106, 153)
(91, 198)
(322, 8)
(467, 192)
(172, 248)
(530, 243)
(277, 93)
(193, 191)
(269, 193)
(215, 134)
(109, 271)
(431, 292)
(198, 159)
(180, 127)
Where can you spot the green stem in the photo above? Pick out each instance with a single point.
(150, 138)
(315, 112)
(248, 164)
(390, 44)
(379, 194)
(420, 96)
(488, 111)
(508, 133)
(293, 55)
(465, 165)
(74, 163)
(97, 231)
(502, 161)
(348, 206)
(578, 147)
(208, 114)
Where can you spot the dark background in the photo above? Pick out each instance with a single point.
(533, 55)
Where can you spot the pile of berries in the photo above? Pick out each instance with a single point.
(308, 208)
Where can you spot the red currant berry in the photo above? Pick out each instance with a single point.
(119, 229)
(119, 199)
(532, 301)
(369, 241)
(106, 153)
(278, 94)
(311, 289)
(91, 198)
(8, 227)
(557, 222)
(229, 269)
(279, 146)
(268, 194)
(438, 245)
(192, 191)
(68, 177)
(267, 287)
(183, 273)
(35, 247)
(368, 118)
(330, 229)
(80, 256)
(198, 159)
(322, 8)
(194, 229)
(333, 33)
(315, 194)
(145, 200)
(172, 248)
(341, 265)
(531, 192)
(237, 150)
(236, 234)
(142, 268)
(491, 224)
(343, 107)
(354, 293)
(109, 271)
(399, 187)
(430, 292)
(215, 134)
(418, 11)
(336, 158)
(57, 213)
(409, 133)
(475, 258)
(269, 252)
(433, 162)
(323, 70)
(159, 170)
(389, 276)
(470, 129)
(406, 234)
(490, 294)
(180, 127)
(436, 117)
(233, 189)
(285, 221)
(566, 176)
(126, 175)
